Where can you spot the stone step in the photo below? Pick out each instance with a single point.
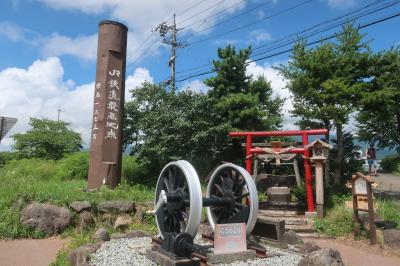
(313, 235)
(290, 220)
(300, 228)
(291, 205)
(280, 213)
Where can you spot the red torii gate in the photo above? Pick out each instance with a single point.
(304, 135)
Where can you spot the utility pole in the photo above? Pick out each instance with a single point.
(59, 110)
(164, 29)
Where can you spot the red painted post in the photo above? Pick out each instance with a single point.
(307, 169)
(248, 153)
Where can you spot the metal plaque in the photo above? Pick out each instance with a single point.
(230, 238)
(109, 93)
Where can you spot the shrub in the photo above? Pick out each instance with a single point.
(37, 168)
(337, 222)
(6, 156)
(74, 166)
(391, 163)
(133, 171)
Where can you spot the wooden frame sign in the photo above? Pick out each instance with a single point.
(361, 187)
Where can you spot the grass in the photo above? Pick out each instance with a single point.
(389, 210)
(33, 180)
(337, 222)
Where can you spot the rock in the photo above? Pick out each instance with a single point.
(293, 238)
(322, 257)
(101, 234)
(137, 233)
(391, 238)
(131, 234)
(309, 247)
(46, 217)
(116, 206)
(79, 206)
(139, 214)
(122, 222)
(107, 219)
(80, 256)
(86, 220)
(117, 236)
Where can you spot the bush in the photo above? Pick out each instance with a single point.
(74, 166)
(37, 168)
(337, 222)
(6, 156)
(133, 171)
(391, 163)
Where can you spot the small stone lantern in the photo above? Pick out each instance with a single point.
(320, 153)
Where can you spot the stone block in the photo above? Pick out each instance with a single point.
(162, 259)
(279, 194)
(269, 232)
(391, 238)
(231, 257)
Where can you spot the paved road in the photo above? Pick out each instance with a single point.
(387, 182)
(30, 252)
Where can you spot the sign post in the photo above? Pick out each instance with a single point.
(109, 93)
(361, 187)
(6, 123)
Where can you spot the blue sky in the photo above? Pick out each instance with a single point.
(48, 47)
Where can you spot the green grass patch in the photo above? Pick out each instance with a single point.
(337, 222)
(76, 240)
(389, 210)
(29, 180)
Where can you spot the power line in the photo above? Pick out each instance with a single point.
(308, 29)
(214, 15)
(202, 11)
(233, 17)
(341, 23)
(252, 23)
(291, 49)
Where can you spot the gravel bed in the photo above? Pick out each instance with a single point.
(120, 252)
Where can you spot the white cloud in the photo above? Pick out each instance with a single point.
(258, 36)
(84, 47)
(195, 86)
(139, 76)
(342, 4)
(40, 90)
(141, 17)
(15, 33)
(278, 84)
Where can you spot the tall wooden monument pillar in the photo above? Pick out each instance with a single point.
(106, 137)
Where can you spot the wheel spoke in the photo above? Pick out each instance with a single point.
(236, 180)
(219, 188)
(240, 187)
(242, 196)
(166, 184)
(171, 179)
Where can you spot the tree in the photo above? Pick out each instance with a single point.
(244, 102)
(162, 126)
(47, 139)
(379, 117)
(327, 81)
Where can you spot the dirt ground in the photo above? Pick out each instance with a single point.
(30, 252)
(360, 253)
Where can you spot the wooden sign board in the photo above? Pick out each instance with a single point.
(360, 186)
(230, 238)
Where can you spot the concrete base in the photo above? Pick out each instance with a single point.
(162, 259)
(320, 210)
(229, 258)
(269, 230)
(310, 215)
